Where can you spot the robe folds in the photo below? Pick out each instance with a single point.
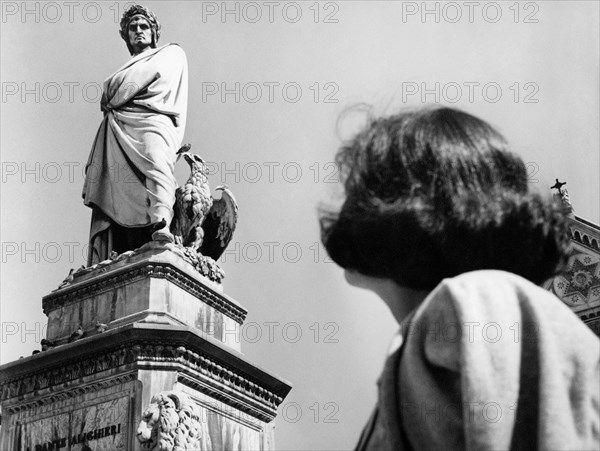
(130, 178)
(489, 361)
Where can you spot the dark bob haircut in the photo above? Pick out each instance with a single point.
(435, 192)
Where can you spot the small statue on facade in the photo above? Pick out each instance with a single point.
(562, 196)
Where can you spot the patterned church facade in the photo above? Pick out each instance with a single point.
(578, 285)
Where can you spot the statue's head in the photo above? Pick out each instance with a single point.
(145, 19)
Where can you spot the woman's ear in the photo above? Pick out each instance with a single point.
(376, 284)
(400, 300)
(359, 280)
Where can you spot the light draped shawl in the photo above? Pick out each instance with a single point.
(489, 361)
(145, 106)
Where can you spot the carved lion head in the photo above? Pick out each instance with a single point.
(170, 422)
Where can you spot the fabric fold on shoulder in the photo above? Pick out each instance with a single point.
(492, 361)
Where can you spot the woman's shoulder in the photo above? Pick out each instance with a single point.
(490, 292)
(494, 337)
(496, 306)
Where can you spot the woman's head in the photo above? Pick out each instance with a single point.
(435, 192)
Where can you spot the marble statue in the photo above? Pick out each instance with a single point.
(562, 197)
(130, 184)
(202, 224)
(172, 422)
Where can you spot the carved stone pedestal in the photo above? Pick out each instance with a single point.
(170, 350)
(156, 284)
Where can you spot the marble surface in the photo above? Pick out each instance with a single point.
(98, 427)
(155, 286)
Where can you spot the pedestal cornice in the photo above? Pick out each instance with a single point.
(201, 362)
(155, 262)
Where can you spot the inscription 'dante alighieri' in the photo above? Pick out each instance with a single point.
(84, 437)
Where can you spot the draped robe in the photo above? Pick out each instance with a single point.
(489, 361)
(130, 181)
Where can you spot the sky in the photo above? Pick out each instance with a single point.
(274, 88)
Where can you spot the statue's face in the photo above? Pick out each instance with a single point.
(140, 34)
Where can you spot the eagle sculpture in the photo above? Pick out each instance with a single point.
(192, 202)
(200, 223)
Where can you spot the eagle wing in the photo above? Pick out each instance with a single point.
(219, 224)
